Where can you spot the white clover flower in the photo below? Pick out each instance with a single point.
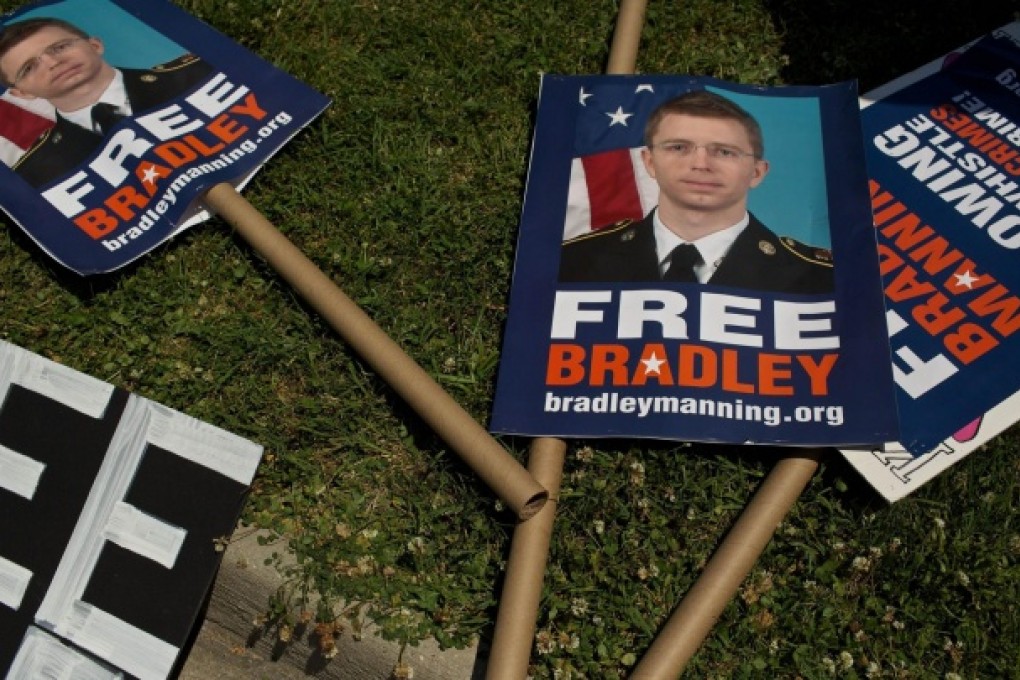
(579, 606)
(862, 564)
(544, 642)
(637, 473)
(600, 526)
(846, 660)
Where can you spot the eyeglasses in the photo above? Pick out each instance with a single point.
(720, 152)
(54, 51)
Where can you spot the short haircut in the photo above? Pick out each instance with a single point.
(12, 34)
(705, 104)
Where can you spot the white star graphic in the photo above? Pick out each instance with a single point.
(582, 97)
(965, 279)
(150, 175)
(619, 117)
(652, 364)
(646, 87)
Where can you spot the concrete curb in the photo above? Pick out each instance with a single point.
(229, 645)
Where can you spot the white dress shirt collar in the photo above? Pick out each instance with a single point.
(713, 248)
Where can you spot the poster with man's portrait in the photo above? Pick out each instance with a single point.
(696, 261)
(116, 116)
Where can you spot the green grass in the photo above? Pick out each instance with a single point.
(407, 192)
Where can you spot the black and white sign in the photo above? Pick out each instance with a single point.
(110, 507)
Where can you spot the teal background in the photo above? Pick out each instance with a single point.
(792, 130)
(129, 42)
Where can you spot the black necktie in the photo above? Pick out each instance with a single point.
(104, 117)
(682, 261)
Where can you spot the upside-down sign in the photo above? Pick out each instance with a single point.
(110, 510)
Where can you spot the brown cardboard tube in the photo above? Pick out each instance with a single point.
(626, 37)
(529, 550)
(522, 590)
(692, 620)
(490, 461)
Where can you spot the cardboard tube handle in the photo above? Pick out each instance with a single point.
(497, 468)
(529, 552)
(692, 620)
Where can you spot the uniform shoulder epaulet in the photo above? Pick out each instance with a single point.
(615, 228)
(808, 253)
(180, 62)
(40, 140)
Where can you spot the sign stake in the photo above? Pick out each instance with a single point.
(502, 472)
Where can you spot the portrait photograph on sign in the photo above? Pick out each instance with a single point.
(696, 261)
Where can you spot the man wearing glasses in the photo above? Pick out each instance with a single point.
(51, 59)
(705, 153)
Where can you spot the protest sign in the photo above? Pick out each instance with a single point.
(192, 109)
(777, 344)
(112, 511)
(942, 148)
(162, 141)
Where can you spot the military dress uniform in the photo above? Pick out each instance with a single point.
(757, 260)
(67, 145)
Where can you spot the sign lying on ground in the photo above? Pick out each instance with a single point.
(943, 153)
(173, 108)
(112, 510)
(777, 336)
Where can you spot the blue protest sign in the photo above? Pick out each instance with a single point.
(944, 156)
(116, 118)
(780, 339)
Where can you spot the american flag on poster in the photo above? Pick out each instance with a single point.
(608, 181)
(21, 123)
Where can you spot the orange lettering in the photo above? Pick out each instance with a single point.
(97, 223)
(226, 128)
(653, 365)
(969, 342)
(122, 201)
(609, 360)
(818, 372)
(698, 366)
(564, 367)
(771, 369)
(730, 373)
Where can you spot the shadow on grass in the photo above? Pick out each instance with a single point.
(875, 41)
